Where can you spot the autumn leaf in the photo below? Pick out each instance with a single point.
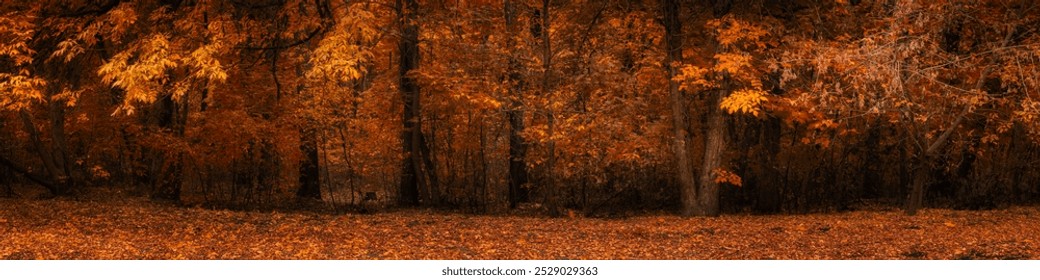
(746, 101)
(724, 176)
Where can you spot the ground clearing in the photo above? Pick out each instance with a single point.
(68, 229)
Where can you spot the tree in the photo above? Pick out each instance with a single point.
(43, 77)
(732, 83)
(921, 71)
(416, 169)
(673, 58)
(518, 173)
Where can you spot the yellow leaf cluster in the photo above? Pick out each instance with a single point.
(207, 66)
(727, 177)
(141, 70)
(732, 63)
(113, 25)
(692, 77)
(342, 54)
(156, 65)
(731, 31)
(747, 101)
(16, 30)
(69, 97)
(19, 91)
(18, 87)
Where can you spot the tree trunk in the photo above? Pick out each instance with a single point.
(871, 165)
(553, 199)
(15, 168)
(768, 181)
(59, 147)
(167, 177)
(518, 173)
(714, 147)
(57, 185)
(428, 171)
(921, 175)
(411, 134)
(310, 184)
(715, 138)
(680, 135)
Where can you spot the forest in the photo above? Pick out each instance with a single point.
(562, 107)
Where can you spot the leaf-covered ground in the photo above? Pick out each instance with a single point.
(67, 229)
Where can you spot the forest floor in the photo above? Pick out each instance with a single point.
(138, 229)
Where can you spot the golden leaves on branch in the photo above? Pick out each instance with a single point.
(342, 54)
(19, 88)
(725, 176)
(733, 67)
(148, 68)
(141, 70)
(204, 60)
(732, 63)
(745, 101)
(114, 26)
(731, 31)
(692, 78)
(16, 30)
(17, 92)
